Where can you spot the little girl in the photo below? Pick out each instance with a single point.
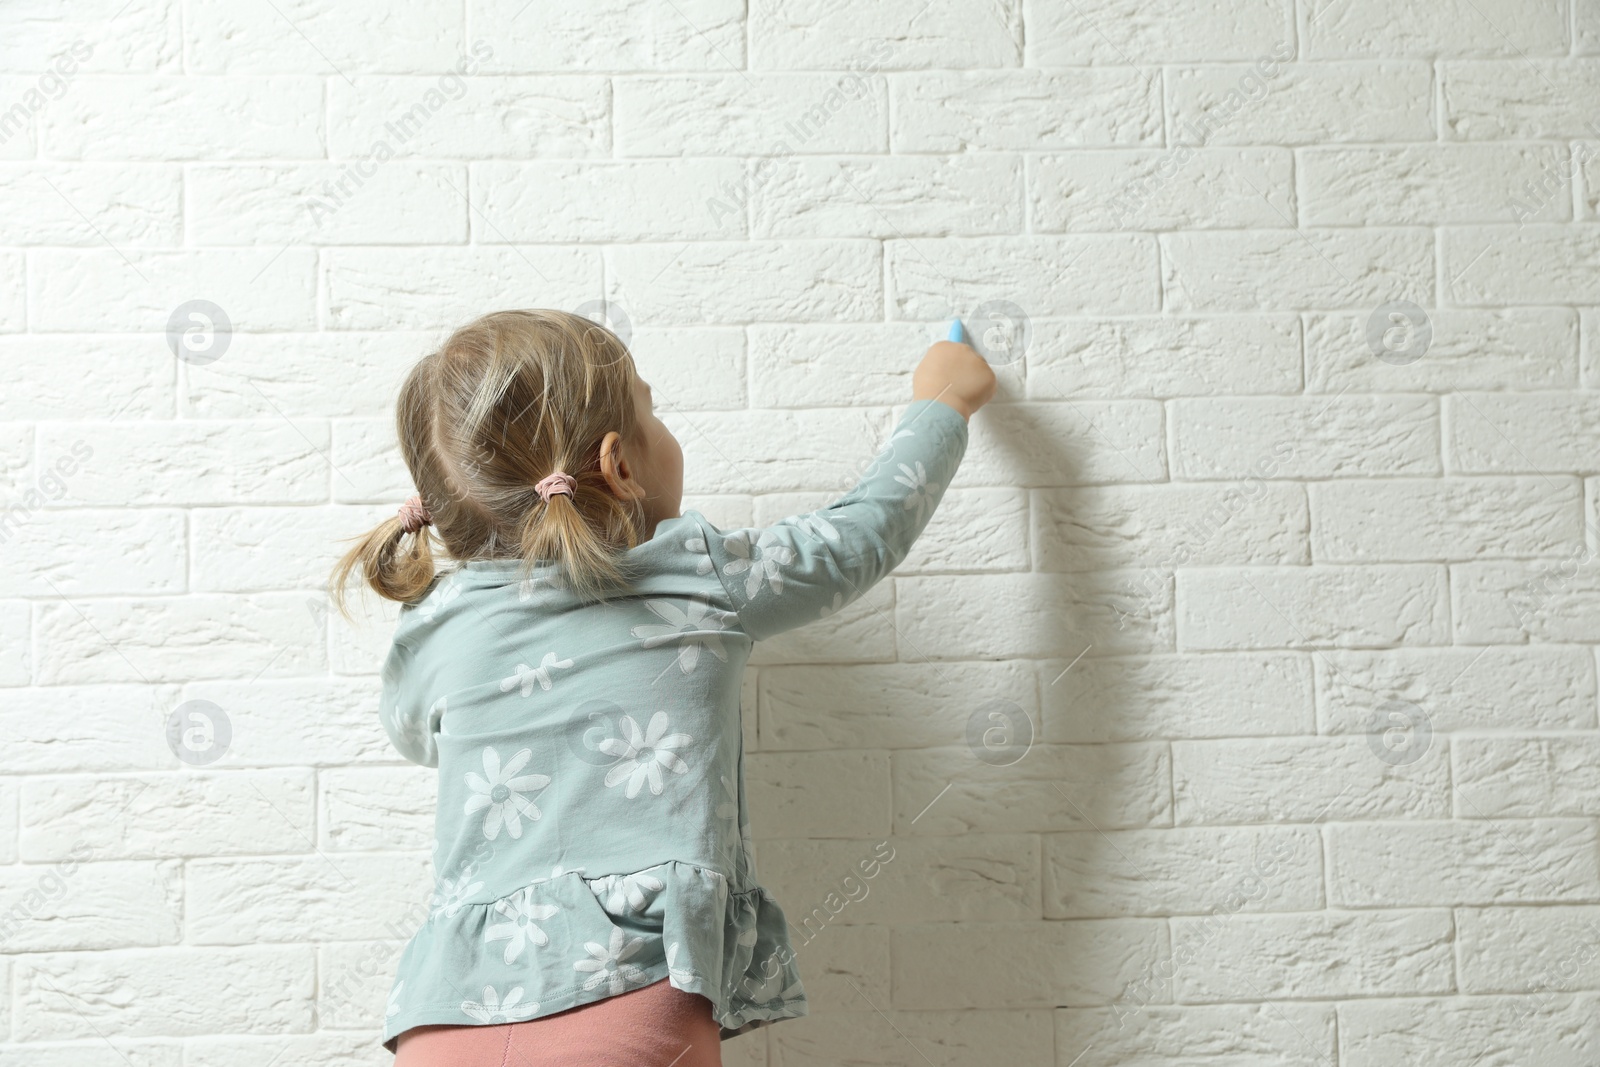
(575, 678)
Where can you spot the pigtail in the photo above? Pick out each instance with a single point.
(505, 402)
(397, 565)
(584, 532)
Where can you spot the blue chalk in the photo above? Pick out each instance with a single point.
(957, 333)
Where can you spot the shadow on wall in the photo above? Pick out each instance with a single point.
(1009, 754)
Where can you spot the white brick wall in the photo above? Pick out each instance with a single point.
(1208, 545)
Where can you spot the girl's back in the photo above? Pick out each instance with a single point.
(591, 832)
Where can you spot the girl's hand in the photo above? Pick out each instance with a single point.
(954, 373)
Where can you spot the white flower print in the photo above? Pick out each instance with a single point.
(451, 894)
(622, 892)
(896, 436)
(521, 926)
(697, 546)
(526, 675)
(393, 1008)
(673, 970)
(829, 609)
(762, 559)
(496, 1011)
(885, 452)
(643, 755)
(815, 525)
(922, 492)
(443, 594)
(414, 735)
(694, 624)
(500, 795)
(610, 964)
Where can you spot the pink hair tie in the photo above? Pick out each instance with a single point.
(554, 485)
(414, 515)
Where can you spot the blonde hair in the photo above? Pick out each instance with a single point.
(507, 400)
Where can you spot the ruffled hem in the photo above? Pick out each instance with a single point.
(565, 941)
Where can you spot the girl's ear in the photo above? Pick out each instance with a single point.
(615, 470)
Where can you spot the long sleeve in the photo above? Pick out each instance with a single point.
(807, 566)
(412, 726)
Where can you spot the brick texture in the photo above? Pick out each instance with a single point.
(1238, 709)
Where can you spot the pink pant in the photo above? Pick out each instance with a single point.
(656, 1026)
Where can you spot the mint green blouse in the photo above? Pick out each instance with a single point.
(592, 835)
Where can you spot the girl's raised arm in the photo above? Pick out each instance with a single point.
(808, 566)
